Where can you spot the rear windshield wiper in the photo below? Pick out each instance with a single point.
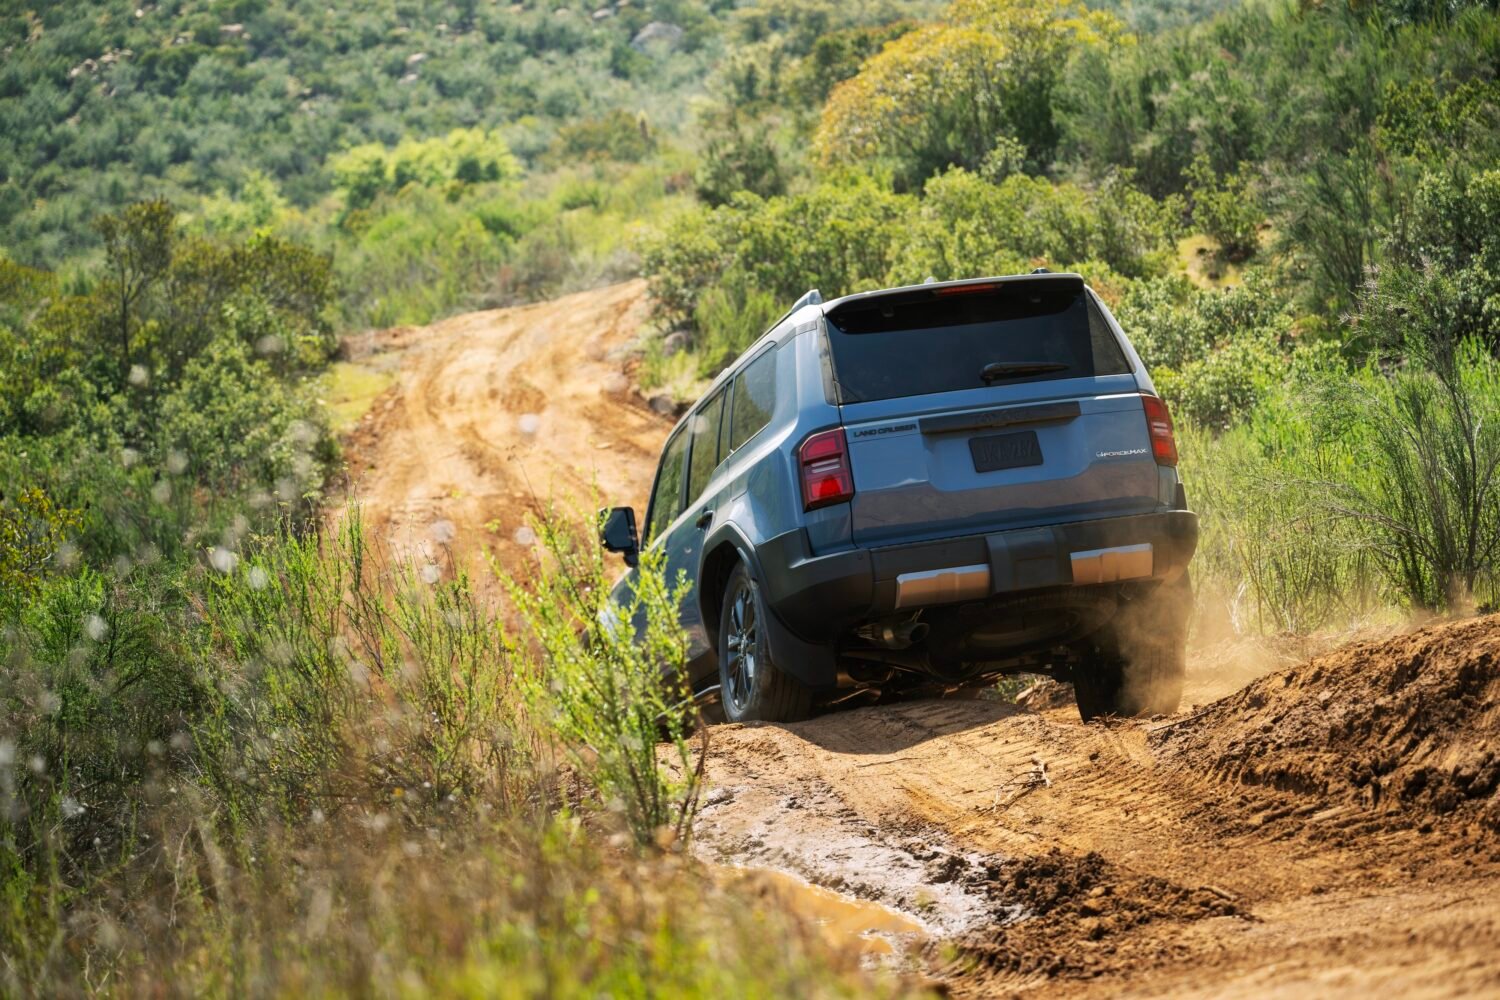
(1011, 369)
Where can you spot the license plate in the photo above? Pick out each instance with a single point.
(1005, 451)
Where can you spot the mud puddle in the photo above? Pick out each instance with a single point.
(877, 933)
(835, 868)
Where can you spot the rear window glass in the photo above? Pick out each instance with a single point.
(920, 343)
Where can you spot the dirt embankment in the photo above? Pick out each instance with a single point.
(1332, 828)
(1241, 850)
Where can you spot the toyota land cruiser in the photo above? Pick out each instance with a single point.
(920, 489)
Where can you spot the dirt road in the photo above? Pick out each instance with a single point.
(1331, 828)
(493, 413)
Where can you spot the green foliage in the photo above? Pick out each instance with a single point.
(968, 227)
(611, 680)
(1213, 354)
(1338, 492)
(194, 100)
(617, 135)
(943, 94)
(1267, 549)
(1427, 488)
(33, 529)
(1225, 208)
(371, 673)
(236, 424)
(739, 158)
(1440, 283)
(462, 157)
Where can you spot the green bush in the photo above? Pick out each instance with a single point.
(1426, 488)
(1225, 208)
(237, 425)
(33, 530)
(610, 680)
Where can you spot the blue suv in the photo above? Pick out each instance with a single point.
(916, 490)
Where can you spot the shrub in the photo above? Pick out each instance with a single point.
(611, 679)
(464, 156)
(1225, 208)
(33, 529)
(238, 425)
(1426, 488)
(1439, 283)
(738, 158)
(617, 135)
(943, 93)
(374, 677)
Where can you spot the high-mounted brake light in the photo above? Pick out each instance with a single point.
(1159, 425)
(826, 475)
(988, 286)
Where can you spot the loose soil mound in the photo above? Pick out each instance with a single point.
(1409, 727)
(1074, 912)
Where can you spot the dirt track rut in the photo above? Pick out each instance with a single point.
(1332, 828)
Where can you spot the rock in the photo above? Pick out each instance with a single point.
(231, 30)
(674, 343)
(661, 34)
(408, 78)
(663, 404)
(416, 59)
(603, 13)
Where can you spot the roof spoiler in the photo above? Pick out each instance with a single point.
(967, 286)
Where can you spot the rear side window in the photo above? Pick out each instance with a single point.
(926, 342)
(704, 457)
(666, 495)
(754, 399)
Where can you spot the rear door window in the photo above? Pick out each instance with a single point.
(929, 342)
(704, 457)
(754, 399)
(666, 495)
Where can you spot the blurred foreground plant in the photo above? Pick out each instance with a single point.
(610, 680)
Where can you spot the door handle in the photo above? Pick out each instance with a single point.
(705, 519)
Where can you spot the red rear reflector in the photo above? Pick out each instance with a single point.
(966, 289)
(1159, 424)
(826, 475)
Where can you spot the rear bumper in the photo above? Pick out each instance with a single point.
(821, 597)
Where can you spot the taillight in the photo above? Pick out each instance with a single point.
(1159, 424)
(826, 476)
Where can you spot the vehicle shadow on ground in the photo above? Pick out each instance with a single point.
(886, 729)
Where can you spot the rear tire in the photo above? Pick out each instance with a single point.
(1139, 659)
(751, 686)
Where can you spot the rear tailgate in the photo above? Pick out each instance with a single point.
(971, 470)
(979, 410)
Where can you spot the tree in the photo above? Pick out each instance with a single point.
(945, 94)
(138, 250)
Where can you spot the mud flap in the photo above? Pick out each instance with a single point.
(813, 664)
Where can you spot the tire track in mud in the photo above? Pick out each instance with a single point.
(1213, 854)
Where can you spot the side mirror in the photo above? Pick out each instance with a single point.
(617, 533)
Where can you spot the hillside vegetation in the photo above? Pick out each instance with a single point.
(241, 752)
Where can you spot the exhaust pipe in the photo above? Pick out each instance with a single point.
(893, 635)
